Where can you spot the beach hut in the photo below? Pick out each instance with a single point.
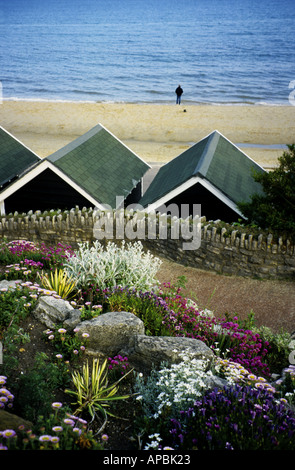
(208, 179)
(95, 170)
(15, 158)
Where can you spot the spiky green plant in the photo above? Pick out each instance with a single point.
(60, 282)
(92, 390)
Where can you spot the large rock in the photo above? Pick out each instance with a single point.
(10, 421)
(146, 352)
(52, 311)
(120, 333)
(112, 331)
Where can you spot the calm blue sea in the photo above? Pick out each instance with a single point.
(220, 51)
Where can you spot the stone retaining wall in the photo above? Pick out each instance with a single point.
(223, 248)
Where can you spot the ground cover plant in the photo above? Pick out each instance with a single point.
(71, 403)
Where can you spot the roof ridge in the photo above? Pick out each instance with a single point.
(74, 144)
(208, 153)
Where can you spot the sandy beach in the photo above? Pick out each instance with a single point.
(157, 133)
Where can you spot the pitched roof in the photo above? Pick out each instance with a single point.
(15, 158)
(100, 164)
(214, 159)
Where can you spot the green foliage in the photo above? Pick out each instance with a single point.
(59, 431)
(15, 305)
(59, 282)
(113, 266)
(275, 209)
(278, 347)
(67, 344)
(36, 388)
(169, 389)
(145, 305)
(247, 323)
(89, 311)
(92, 391)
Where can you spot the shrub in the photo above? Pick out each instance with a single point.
(148, 306)
(15, 304)
(215, 422)
(114, 266)
(170, 390)
(59, 282)
(18, 250)
(166, 312)
(36, 387)
(274, 208)
(92, 391)
(167, 390)
(278, 348)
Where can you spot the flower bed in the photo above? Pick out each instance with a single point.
(176, 407)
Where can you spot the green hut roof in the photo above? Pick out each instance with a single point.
(214, 159)
(15, 158)
(100, 164)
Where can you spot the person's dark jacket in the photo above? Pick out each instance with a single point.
(179, 91)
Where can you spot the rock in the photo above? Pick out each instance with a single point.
(213, 381)
(120, 333)
(10, 421)
(51, 311)
(73, 320)
(147, 352)
(112, 331)
(9, 284)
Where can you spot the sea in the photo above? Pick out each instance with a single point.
(220, 51)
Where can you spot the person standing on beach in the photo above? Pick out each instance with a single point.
(178, 92)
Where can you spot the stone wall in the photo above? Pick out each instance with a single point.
(223, 248)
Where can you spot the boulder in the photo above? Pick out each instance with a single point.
(120, 333)
(52, 311)
(11, 421)
(146, 352)
(112, 331)
(73, 320)
(4, 284)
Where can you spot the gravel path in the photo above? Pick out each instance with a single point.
(272, 301)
